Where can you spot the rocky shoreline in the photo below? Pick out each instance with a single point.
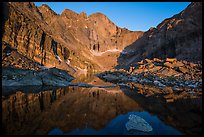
(170, 78)
(43, 77)
(51, 78)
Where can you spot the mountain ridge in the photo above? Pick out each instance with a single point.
(177, 37)
(86, 33)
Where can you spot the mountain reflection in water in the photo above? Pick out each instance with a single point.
(79, 110)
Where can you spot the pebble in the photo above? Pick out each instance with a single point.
(192, 86)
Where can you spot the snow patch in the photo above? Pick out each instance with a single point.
(58, 58)
(95, 53)
(81, 70)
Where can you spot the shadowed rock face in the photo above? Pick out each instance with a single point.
(179, 36)
(43, 77)
(65, 41)
(28, 39)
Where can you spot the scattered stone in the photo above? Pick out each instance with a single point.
(169, 96)
(141, 66)
(191, 92)
(171, 60)
(151, 66)
(157, 60)
(192, 64)
(169, 65)
(168, 90)
(178, 64)
(192, 86)
(159, 83)
(169, 72)
(155, 68)
(140, 62)
(148, 61)
(172, 78)
(183, 69)
(131, 69)
(169, 100)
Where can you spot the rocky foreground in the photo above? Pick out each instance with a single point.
(170, 78)
(43, 77)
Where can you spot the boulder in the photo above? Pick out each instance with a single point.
(151, 66)
(137, 71)
(148, 61)
(178, 64)
(157, 60)
(169, 100)
(169, 65)
(141, 67)
(183, 69)
(168, 90)
(171, 60)
(131, 69)
(140, 62)
(192, 64)
(192, 86)
(155, 68)
(169, 72)
(157, 83)
(49, 77)
(137, 123)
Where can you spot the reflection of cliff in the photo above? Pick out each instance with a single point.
(77, 108)
(185, 115)
(68, 109)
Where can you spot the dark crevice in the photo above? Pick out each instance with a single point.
(66, 53)
(98, 47)
(42, 42)
(94, 47)
(54, 46)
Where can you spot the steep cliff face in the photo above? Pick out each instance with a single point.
(68, 41)
(96, 31)
(23, 31)
(179, 36)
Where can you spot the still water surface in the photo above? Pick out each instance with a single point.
(83, 110)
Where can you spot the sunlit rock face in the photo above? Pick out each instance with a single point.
(179, 36)
(64, 41)
(24, 35)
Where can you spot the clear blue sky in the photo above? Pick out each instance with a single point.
(132, 15)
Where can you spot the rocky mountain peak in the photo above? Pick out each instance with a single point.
(179, 36)
(46, 9)
(69, 13)
(83, 15)
(27, 8)
(67, 40)
(99, 16)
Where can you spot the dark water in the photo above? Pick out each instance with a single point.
(80, 110)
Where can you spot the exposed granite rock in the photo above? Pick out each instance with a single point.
(177, 37)
(46, 77)
(48, 38)
(27, 37)
(171, 80)
(12, 58)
